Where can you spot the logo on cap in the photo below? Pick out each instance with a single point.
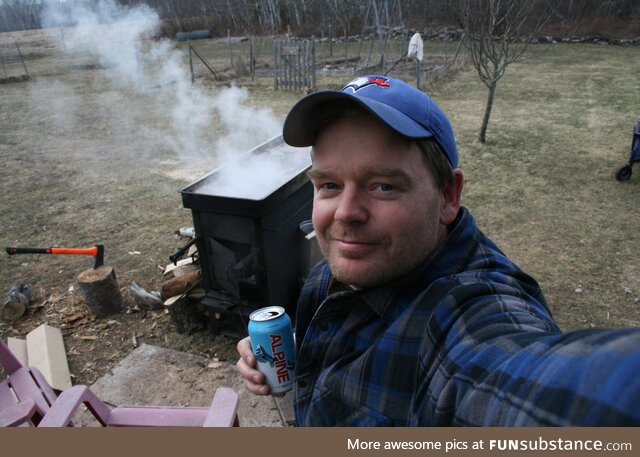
(365, 81)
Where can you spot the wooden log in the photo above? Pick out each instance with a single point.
(185, 270)
(168, 271)
(15, 302)
(180, 284)
(144, 298)
(100, 290)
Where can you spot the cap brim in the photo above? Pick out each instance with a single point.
(302, 122)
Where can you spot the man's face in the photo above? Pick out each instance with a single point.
(376, 209)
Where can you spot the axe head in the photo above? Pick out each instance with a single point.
(99, 256)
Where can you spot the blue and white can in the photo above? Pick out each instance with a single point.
(273, 346)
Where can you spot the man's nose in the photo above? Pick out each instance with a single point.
(351, 207)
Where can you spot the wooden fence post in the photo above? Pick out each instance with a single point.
(230, 48)
(330, 40)
(346, 40)
(202, 59)
(22, 59)
(193, 78)
(276, 64)
(252, 63)
(313, 62)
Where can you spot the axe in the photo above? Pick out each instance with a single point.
(96, 251)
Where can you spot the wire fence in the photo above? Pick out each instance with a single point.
(12, 63)
(285, 63)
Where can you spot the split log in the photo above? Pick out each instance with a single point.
(170, 301)
(185, 270)
(187, 315)
(168, 271)
(144, 298)
(100, 290)
(16, 301)
(179, 285)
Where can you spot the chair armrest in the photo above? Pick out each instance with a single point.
(157, 416)
(224, 409)
(49, 394)
(65, 407)
(9, 362)
(17, 414)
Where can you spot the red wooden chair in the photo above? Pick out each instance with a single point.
(26, 398)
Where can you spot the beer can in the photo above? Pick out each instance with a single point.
(273, 346)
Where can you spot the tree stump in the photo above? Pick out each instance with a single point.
(188, 316)
(100, 290)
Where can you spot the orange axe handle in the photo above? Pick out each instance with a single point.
(96, 251)
(92, 251)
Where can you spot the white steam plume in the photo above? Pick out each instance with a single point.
(119, 36)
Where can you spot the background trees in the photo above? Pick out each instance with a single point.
(19, 15)
(311, 16)
(497, 33)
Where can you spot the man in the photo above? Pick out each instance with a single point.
(416, 317)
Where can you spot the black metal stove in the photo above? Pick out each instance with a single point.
(247, 215)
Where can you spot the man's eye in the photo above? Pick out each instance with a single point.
(329, 186)
(385, 187)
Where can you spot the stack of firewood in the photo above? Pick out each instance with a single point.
(181, 292)
(180, 279)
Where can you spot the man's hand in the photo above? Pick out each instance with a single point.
(254, 380)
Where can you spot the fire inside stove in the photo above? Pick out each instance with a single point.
(247, 215)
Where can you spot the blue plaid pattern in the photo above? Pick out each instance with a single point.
(465, 339)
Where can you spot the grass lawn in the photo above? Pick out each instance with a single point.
(87, 157)
(542, 186)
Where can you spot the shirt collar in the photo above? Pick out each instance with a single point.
(336, 286)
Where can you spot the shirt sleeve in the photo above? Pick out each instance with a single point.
(499, 360)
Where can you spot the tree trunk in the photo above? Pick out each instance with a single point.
(100, 290)
(487, 114)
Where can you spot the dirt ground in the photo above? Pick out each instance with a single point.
(96, 151)
(88, 158)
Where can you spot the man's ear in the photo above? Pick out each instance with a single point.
(451, 198)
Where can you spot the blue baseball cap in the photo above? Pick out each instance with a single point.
(402, 107)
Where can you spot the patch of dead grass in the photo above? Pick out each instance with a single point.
(542, 186)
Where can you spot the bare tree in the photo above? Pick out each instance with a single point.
(497, 34)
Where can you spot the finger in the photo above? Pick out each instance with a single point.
(254, 380)
(246, 351)
(249, 372)
(257, 389)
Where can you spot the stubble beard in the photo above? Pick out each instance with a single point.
(385, 263)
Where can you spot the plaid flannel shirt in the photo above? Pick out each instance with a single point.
(465, 339)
